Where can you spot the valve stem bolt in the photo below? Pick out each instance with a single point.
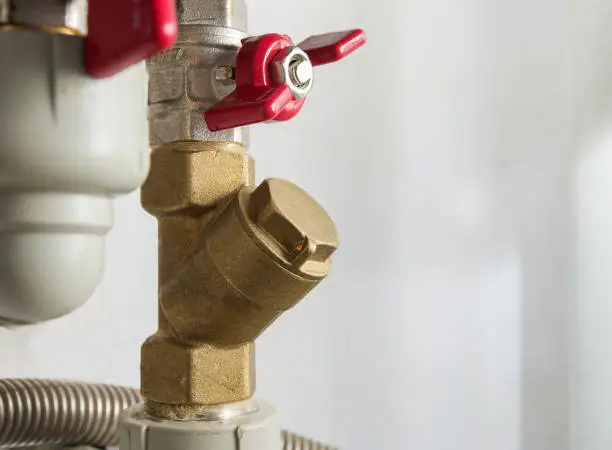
(300, 72)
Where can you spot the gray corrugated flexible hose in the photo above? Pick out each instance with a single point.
(49, 412)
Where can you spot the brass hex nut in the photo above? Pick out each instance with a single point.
(194, 176)
(175, 373)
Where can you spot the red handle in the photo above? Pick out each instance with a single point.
(122, 33)
(267, 87)
(332, 47)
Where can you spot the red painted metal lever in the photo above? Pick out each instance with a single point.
(332, 47)
(273, 77)
(122, 33)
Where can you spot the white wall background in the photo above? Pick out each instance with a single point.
(465, 155)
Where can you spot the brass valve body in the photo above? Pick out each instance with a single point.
(231, 259)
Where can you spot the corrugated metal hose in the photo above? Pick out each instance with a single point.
(48, 412)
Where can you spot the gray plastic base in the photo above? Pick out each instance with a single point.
(255, 431)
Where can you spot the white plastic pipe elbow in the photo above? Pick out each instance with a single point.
(68, 144)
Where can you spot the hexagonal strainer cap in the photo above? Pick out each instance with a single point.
(290, 217)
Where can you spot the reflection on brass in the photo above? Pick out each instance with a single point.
(52, 29)
(232, 258)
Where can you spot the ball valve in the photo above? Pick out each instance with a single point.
(74, 135)
(274, 76)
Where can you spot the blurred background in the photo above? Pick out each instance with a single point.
(465, 155)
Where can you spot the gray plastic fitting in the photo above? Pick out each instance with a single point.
(257, 430)
(68, 144)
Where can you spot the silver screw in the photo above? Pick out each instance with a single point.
(300, 71)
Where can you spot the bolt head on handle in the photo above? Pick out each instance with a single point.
(291, 66)
(274, 76)
(122, 33)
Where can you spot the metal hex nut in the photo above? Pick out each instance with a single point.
(190, 176)
(293, 67)
(175, 373)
